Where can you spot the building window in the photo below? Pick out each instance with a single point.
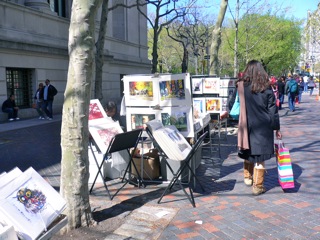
(58, 6)
(118, 19)
(19, 83)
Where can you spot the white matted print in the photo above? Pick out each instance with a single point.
(211, 85)
(224, 82)
(30, 204)
(137, 118)
(180, 117)
(199, 106)
(213, 105)
(175, 90)
(141, 90)
(103, 134)
(224, 104)
(197, 85)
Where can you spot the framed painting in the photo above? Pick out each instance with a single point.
(180, 117)
(141, 90)
(197, 85)
(97, 114)
(30, 204)
(174, 90)
(213, 105)
(138, 117)
(232, 83)
(211, 85)
(199, 106)
(103, 134)
(224, 104)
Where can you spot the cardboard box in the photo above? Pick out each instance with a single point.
(151, 165)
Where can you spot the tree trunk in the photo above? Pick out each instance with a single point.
(74, 129)
(184, 64)
(155, 51)
(100, 51)
(216, 39)
(236, 42)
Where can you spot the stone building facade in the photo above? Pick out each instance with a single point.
(34, 47)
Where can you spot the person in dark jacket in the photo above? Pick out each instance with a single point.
(48, 96)
(9, 106)
(281, 92)
(258, 119)
(38, 96)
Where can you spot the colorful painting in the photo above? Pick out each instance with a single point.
(30, 204)
(138, 121)
(213, 105)
(175, 90)
(137, 118)
(141, 90)
(180, 117)
(211, 85)
(197, 85)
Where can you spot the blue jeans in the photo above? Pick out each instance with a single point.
(305, 87)
(291, 99)
(281, 99)
(47, 107)
(12, 113)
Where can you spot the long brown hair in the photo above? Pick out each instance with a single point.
(257, 76)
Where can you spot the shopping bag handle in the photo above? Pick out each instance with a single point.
(280, 143)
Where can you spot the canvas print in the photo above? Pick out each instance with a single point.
(197, 84)
(103, 134)
(232, 83)
(30, 204)
(224, 104)
(213, 105)
(180, 117)
(175, 90)
(211, 85)
(141, 90)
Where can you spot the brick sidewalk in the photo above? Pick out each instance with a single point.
(227, 209)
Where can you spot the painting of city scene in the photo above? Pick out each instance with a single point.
(138, 121)
(172, 89)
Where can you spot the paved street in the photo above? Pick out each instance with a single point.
(226, 210)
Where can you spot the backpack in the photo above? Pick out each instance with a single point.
(293, 87)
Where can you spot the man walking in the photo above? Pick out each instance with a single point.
(48, 95)
(291, 91)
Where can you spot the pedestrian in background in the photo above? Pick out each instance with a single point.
(305, 81)
(257, 121)
(48, 96)
(301, 89)
(291, 89)
(311, 85)
(39, 101)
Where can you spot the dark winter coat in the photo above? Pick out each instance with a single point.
(52, 91)
(262, 119)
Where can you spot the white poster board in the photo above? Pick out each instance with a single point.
(30, 204)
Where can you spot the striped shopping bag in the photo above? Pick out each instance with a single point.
(285, 173)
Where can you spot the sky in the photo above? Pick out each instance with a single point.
(294, 8)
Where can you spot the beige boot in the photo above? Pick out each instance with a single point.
(248, 172)
(258, 179)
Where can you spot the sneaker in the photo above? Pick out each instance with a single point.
(17, 118)
(11, 119)
(49, 119)
(40, 117)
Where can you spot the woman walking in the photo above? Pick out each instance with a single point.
(258, 119)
